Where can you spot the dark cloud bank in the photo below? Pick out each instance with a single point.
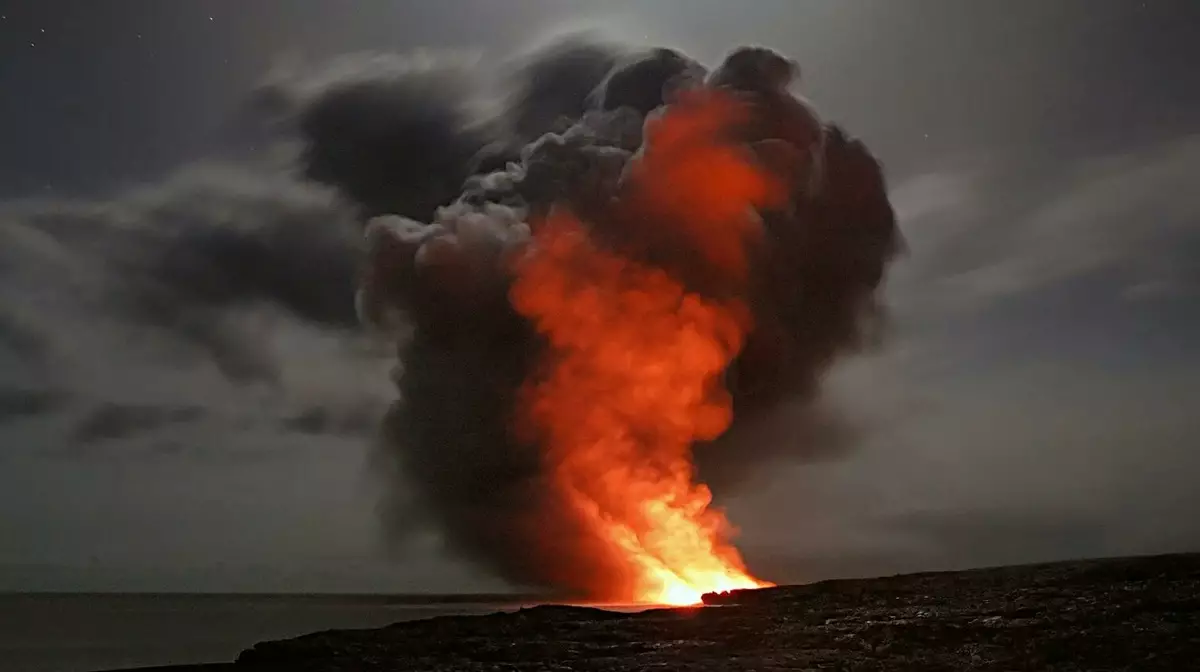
(445, 169)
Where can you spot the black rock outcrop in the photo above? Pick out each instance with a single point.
(1123, 614)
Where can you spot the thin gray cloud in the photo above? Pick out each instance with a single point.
(1132, 220)
(1012, 460)
(18, 403)
(201, 299)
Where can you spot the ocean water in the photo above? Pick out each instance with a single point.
(87, 632)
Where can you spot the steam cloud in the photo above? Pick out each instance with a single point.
(567, 138)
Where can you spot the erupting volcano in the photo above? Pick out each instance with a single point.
(632, 374)
(629, 381)
(630, 280)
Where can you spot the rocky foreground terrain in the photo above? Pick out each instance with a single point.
(1125, 614)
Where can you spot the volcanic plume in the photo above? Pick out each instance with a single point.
(586, 328)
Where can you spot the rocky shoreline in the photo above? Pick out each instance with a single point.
(1121, 614)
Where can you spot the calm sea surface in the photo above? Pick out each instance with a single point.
(79, 633)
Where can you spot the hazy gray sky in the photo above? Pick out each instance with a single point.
(1035, 398)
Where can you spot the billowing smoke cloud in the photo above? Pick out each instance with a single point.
(454, 165)
(442, 285)
(551, 88)
(396, 135)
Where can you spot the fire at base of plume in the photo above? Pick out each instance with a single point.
(574, 137)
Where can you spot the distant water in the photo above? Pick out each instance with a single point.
(82, 633)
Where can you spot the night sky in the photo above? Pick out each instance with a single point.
(1035, 398)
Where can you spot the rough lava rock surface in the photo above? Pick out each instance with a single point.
(1122, 614)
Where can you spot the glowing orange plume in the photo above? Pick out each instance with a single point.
(632, 376)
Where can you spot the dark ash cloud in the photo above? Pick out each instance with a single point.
(396, 135)
(17, 404)
(110, 421)
(360, 420)
(551, 88)
(448, 447)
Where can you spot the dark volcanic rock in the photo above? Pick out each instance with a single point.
(1128, 614)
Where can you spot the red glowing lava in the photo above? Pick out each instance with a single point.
(632, 375)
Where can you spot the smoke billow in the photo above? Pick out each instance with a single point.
(575, 136)
(396, 135)
(456, 168)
